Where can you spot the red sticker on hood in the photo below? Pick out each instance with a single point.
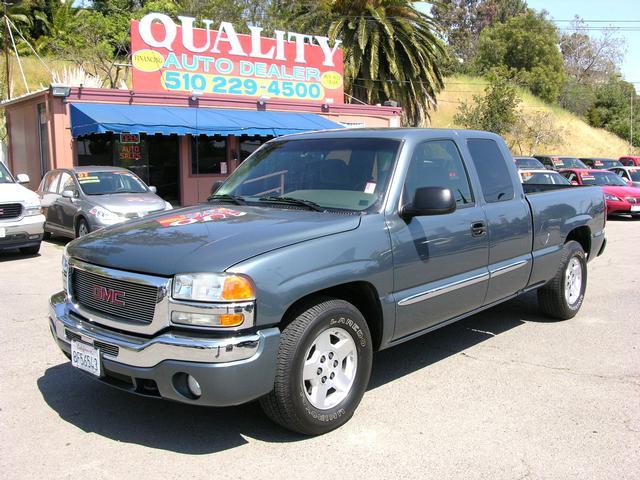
(209, 215)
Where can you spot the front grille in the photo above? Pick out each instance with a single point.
(10, 210)
(138, 301)
(105, 348)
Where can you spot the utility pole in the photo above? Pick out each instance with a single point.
(633, 94)
(6, 49)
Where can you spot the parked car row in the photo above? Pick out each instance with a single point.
(620, 183)
(70, 202)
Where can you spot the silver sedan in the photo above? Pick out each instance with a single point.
(80, 200)
(631, 175)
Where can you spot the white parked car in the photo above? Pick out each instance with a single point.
(21, 218)
(542, 177)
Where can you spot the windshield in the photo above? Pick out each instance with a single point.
(102, 183)
(570, 162)
(528, 163)
(340, 173)
(5, 176)
(544, 178)
(602, 178)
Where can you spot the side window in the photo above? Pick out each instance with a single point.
(495, 179)
(52, 186)
(66, 183)
(438, 163)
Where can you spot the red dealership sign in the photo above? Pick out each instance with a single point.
(176, 56)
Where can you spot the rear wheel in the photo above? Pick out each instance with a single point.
(562, 297)
(324, 364)
(82, 229)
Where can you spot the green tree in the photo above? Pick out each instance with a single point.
(464, 20)
(391, 52)
(496, 110)
(527, 45)
(611, 109)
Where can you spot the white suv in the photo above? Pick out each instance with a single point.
(21, 218)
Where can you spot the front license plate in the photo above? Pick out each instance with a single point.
(85, 357)
(3, 232)
(635, 208)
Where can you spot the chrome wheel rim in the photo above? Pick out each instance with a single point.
(330, 366)
(573, 281)
(82, 230)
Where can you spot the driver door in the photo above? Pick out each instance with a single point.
(440, 261)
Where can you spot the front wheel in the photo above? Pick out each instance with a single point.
(83, 228)
(562, 297)
(324, 364)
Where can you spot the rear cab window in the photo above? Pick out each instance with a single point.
(494, 175)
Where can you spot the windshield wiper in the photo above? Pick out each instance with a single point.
(294, 201)
(237, 199)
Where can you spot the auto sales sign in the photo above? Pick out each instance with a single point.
(178, 57)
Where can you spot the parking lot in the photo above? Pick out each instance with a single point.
(504, 394)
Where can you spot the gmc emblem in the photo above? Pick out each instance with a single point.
(108, 295)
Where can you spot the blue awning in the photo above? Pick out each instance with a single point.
(89, 118)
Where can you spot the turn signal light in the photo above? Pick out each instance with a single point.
(231, 320)
(237, 288)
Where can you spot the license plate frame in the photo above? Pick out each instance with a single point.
(635, 208)
(86, 358)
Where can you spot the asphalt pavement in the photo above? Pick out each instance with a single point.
(506, 394)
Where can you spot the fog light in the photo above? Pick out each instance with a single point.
(194, 386)
(33, 237)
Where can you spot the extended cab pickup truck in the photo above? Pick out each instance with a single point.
(320, 249)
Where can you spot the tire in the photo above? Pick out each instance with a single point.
(562, 297)
(309, 400)
(30, 250)
(83, 228)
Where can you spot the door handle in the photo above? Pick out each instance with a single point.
(478, 229)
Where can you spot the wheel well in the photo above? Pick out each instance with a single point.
(361, 295)
(582, 235)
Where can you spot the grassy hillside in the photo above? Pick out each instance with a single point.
(579, 139)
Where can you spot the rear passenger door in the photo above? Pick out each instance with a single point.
(508, 216)
(440, 261)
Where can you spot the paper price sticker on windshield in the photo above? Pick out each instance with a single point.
(370, 187)
(209, 215)
(87, 179)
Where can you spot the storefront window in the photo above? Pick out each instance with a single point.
(95, 150)
(208, 155)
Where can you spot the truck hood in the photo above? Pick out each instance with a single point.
(205, 238)
(14, 192)
(124, 203)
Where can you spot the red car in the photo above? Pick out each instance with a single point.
(621, 198)
(630, 161)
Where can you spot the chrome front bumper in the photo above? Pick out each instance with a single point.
(139, 351)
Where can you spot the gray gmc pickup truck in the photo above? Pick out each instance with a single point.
(319, 250)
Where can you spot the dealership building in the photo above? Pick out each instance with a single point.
(189, 119)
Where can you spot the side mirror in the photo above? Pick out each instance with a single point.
(68, 194)
(216, 185)
(153, 189)
(22, 178)
(430, 201)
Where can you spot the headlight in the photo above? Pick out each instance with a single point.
(65, 270)
(104, 214)
(612, 198)
(213, 287)
(31, 209)
(167, 206)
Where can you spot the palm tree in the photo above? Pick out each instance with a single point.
(391, 52)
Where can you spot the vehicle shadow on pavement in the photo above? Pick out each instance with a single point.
(14, 255)
(123, 417)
